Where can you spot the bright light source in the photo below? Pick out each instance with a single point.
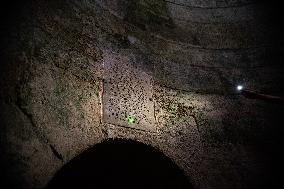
(240, 87)
(130, 119)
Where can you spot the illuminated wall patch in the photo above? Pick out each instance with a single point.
(127, 92)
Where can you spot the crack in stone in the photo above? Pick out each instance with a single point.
(216, 7)
(56, 153)
(30, 118)
(38, 133)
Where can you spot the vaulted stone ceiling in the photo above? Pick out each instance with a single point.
(161, 72)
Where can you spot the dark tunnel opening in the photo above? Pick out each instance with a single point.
(120, 164)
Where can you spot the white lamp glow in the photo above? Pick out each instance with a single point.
(240, 87)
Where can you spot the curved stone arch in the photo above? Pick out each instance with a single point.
(120, 163)
(51, 98)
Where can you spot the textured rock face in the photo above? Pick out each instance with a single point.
(163, 73)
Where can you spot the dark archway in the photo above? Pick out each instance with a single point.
(120, 164)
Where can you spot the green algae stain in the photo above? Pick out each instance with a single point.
(174, 111)
(175, 108)
(131, 120)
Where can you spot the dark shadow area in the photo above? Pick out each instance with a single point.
(120, 164)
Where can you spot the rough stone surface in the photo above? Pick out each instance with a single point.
(212, 3)
(73, 72)
(128, 92)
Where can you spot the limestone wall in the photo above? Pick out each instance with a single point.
(160, 72)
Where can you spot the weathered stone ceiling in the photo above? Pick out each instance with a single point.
(212, 3)
(222, 42)
(75, 71)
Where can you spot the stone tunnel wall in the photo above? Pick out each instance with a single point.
(160, 72)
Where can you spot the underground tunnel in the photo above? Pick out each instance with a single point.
(120, 164)
(141, 94)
